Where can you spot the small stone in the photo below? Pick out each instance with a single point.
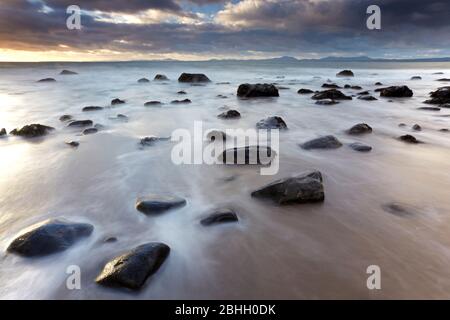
(160, 77)
(67, 73)
(357, 146)
(325, 142)
(117, 101)
(220, 216)
(47, 80)
(156, 204)
(80, 123)
(409, 139)
(345, 73)
(360, 128)
(73, 144)
(92, 108)
(230, 114)
(65, 117)
(152, 103)
(185, 101)
(304, 91)
(416, 127)
(272, 123)
(143, 80)
(90, 131)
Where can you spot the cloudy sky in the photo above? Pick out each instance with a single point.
(35, 30)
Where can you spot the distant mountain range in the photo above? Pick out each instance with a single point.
(358, 59)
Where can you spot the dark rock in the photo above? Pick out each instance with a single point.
(363, 93)
(193, 77)
(143, 80)
(221, 96)
(47, 80)
(220, 216)
(332, 94)
(151, 140)
(396, 92)
(50, 237)
(248, 155)
(181, 92)
(92, 108)
(230, 114)
(221, 83)
(402, 125)
(110, 240)
(185, 101)
(444, 130)
(345, 73)
(367, 98)
(271, 123)
(122, 116)
(213, 135)
(408, 139)
(283, 88)
(429, 108)
(437, 73)
(73, 143)
(152, 103)
(305, 91)
(3, 132)
(80, 123)
(399, 209)
(325, 142)
(32, 131)
(90, 131)
(132, 269)
(360, 128)
(67, 73)
(326, 102)
(360, 147)
(330, 86)
(155, 204)
(443, 80)
(117, 101)
(347, 86)
(445, 105)
(378, 84)
(65, 117)
(416, 78)
(303, 188)
(257, 90)
(161, 77)
(416, 127)
(440, 96)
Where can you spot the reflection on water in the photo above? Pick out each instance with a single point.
(300, 251)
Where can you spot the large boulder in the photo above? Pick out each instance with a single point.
(49, 237)
(247, 90)
(248, 155)
(32, 130)
(332, 94)
(396, 92)
(325, 142)
(303, 188)
(440, 96)
(155, 204)
(345, 73)
(131, 270)
(271, 123)
(221, 215)
(193, 77)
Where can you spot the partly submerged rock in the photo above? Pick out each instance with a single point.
(72, 143)
(143, 80)
(304, 91)
(3, 132)
(117, 101)
(416, 78)
(358, 146)
(161, 77)
(65, 117)
(151, 140)
(325, 142)
(47, 80)
(443, 80)
(332, 94)
(247, 90)
(396, 92)
(221, 215)
(184, 101)
(399, 209)
(416, 127)
(152, 103)
(429, 108)
(303, 188)
(90, 131)
(345, 73)
(92, 108)
(181, 92)
(409, 139)
(49, 237)
(80, 123)
(360, 128)
(229, 114)
(331, 86)
(67, 73)
(271, 123)
(326, 102)
(155, 204)
(440, 96)
(367, 98)
(131, 270)
(248, 155)
(193, 77)
(32, 130)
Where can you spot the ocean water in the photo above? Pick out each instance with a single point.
(292, 252)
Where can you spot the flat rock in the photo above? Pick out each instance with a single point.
(185, 101)
(331, 86)
(345, 73)
(143, 80)
(131, 270)
(326, 102)
(155, 204)
(229, 114)
(396, 92)
(32, 130)
(49, 237)
(416, 78)
(303, 188)
(80, 123)
(360, 128)
(332, 94)
(304, 91)
(429, 108)
(444, 80)
(193, 77)
(218, 216)
(67, 73)
(91, 108)
(152, 103)
(325, 142)
(271, 123)
(360, 147)
(90, 131)
(247, 90)
(253, 155)
(47, 80)
(367, 98)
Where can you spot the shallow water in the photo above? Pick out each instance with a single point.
(299, 251)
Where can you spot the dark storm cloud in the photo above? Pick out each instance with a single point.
(286, 27)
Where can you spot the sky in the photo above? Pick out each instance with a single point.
(35, 30)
